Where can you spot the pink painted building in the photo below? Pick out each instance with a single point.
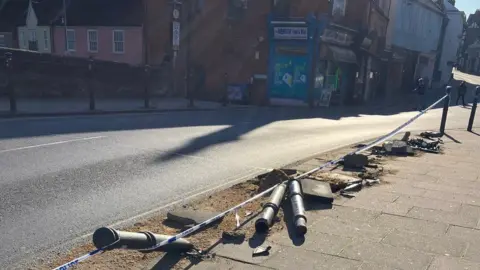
(116, 44)
(109, 30)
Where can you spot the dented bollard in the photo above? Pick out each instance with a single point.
(298, 208)
(108, 239)
(270, 210)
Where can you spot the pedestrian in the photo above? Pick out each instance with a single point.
(420, 91)
(462, 90)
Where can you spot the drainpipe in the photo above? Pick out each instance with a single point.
(65, 25)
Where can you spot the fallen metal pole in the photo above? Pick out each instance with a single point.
(270, 210)
(114, 239)
(298, 208)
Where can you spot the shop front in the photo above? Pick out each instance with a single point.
(336, 67)
(292, 44)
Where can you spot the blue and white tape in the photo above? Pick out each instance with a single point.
(235, 208)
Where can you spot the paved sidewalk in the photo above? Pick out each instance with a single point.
(79, 106)
(424, 216)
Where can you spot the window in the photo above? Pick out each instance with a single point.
(339, 7)
(71, 40)
(92, 39)
(32, 41)
(46, 40)
(33, 35)
(118, 41)
(3, 41)
(22, 41)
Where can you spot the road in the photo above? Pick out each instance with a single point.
(63, 177)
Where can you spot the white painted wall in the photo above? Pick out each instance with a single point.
(415, 25)
(32, 32)
(451, 42)
(41, 34)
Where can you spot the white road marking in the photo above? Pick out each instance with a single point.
(50, 144)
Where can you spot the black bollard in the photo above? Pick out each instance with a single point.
(446, 105)
(298, 208)
(147, 83)
(109, 239)
(91, 92)
(474, 109)
(225, 90)
(265, 221)
(10, 87)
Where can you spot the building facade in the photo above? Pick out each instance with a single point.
(451, 42)
(413, 36)
(113, 31)
(469, 60)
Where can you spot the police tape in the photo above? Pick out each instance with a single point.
(237, 207)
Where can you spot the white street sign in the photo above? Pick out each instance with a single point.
(176, 35)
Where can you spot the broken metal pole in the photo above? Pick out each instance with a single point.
(114, 239)
(270, 210)
(298, 208)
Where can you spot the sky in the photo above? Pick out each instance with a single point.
(469, 6)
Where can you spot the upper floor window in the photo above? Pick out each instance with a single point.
(32, 41)
(71, 40)
(339, 7)
(118, 41)
(22, 40)
(92, 39)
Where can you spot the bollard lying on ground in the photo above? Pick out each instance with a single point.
(265, 221)
(113, 239)
(296, 198)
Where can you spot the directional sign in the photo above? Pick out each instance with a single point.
(176, 35)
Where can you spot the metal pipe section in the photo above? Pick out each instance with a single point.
(270, 210)
(474, 109)
(113, 239)
(298, 208)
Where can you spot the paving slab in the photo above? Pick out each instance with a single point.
(347, 213)
(443, 217)
(448, 246)
(412, 225)
(468, 234)
(294, 258)
(221, 263)
(429, 203)
(345, 228)
(397, 257)
(452, 263)
(314, 241)
(244, 251)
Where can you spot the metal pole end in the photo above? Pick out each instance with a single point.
(261, 225)
(301, 226)
(104, 236)
(448, 90)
